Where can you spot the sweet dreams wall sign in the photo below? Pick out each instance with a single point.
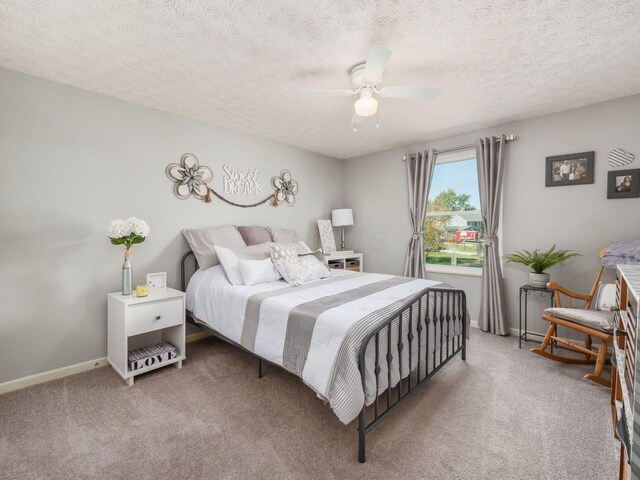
(192, 179)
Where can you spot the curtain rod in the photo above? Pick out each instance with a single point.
(508, 138)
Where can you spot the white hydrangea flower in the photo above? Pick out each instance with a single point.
(138, 226)
(118, 229)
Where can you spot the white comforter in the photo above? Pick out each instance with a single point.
(222, 306)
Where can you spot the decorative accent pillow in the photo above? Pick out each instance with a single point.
(302, 248)
(297, 270)
(605, 297)
(283, 235)
(203, 240)
(283, 252)
(306, 269)
(254, 235)
(230, 259)
(317, 253)
(258, 271)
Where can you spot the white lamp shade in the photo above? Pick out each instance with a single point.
(342, 217)
(365, 107)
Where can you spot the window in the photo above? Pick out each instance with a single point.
(453, 227)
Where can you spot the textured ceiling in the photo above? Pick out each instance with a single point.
(238, 63)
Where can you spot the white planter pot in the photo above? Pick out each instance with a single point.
(539, 279)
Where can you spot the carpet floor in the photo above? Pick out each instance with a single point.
(504, 414)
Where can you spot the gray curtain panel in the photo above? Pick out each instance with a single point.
(490, 157)
(419, 174)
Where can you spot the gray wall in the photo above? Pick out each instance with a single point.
(72, 161)
(576, 217)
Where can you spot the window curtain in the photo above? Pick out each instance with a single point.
(419, 173)
(490, 158)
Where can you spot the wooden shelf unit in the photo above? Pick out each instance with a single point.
(352, 261)
(625, 406)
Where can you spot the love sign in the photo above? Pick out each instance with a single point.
(241, 182)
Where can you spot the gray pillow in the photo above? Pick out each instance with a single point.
(283, 235)
(202, 240)
(254, 252)
(254, 235)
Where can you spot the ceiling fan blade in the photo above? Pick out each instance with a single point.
(377, 60)
(326, 93)
(410, 92)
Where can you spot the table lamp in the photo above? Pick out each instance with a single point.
(342, 217)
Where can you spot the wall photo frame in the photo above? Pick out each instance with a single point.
(571, 169)
(623, 184)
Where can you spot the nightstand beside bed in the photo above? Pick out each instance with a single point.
(136, 322)
(352, 261)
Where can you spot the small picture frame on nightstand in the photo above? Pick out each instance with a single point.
(157, 281)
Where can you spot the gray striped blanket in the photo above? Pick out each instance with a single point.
(315, 331)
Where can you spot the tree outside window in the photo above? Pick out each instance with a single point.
(453, 227)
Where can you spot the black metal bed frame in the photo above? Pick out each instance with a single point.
(447, 307)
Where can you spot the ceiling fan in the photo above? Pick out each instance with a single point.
(366, 81)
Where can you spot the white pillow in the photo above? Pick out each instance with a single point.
(258, 271)
(605, 298)
(229, 262)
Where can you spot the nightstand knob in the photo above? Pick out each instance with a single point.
(157, 317)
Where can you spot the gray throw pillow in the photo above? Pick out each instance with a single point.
(298, 269)
(283, 235)
(202, 240)
(254, 235)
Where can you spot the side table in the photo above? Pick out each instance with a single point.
(525, 292)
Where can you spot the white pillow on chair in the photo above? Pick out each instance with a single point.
(605, 297)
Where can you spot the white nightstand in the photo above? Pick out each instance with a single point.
(135, 322)
(346, 261)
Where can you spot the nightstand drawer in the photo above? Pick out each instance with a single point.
(153, 316)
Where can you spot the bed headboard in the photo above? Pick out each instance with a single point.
(184, 274)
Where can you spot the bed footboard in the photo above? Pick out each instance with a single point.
(407, 349)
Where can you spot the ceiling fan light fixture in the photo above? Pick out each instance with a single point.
(366, 105)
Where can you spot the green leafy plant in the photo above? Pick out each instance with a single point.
(539, 261)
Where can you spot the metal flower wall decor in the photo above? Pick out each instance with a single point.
(286, 188)
(191, 178)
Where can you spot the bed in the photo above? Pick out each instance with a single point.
(364, 342)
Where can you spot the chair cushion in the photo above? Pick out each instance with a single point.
(589, 318)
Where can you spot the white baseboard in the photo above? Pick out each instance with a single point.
(37, 378)
(513, 331)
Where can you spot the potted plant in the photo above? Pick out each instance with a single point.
(539, 262)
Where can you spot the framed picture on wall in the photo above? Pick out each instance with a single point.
(623, 183)
(572, 169)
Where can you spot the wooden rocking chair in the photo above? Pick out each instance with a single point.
(592, 323)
